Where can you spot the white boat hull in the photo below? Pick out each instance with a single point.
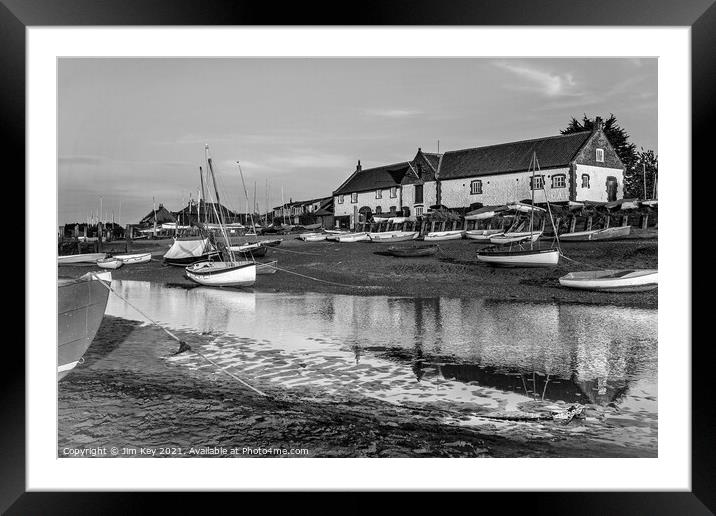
(352, 237)
(313, 237)
(223, 274)
(80, 258)
(597, 234)
(483, 235)
(438, 236)
(528, 258)
(134, 258)
(511, 238)
(110, 263)
(612, 280)
(393, 236)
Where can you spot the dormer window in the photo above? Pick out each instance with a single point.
(600, 155)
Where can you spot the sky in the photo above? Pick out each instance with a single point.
(133, 130)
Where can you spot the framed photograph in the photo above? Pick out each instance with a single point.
(419, 252)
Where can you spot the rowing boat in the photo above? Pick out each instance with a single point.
(413, 251)
(80, 308)
(483, 235)
(514, 237)
(436, 236)
(351, 237)
(312, 237)
(520, 258)
(393, 236)
(275, 242)
(256, 250)
(134, 258)
(110, 263)
(223, 274)
(597, 234)
(90, 258)
(626, 280)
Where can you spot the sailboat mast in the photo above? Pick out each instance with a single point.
(203, 195)
(246, 193)
(219, 216)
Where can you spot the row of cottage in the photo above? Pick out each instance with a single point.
(573, 167)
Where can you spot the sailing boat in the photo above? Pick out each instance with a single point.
(519, 256)
(231, 273)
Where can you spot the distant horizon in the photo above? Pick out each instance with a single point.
(134, 129)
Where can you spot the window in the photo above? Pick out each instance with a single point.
(537, 183)
(378, 209)
(379, 194)
(585, 180)
(600, 155)
(559, 181)
(394, 192)
(418, 211)
(418, 194)
(354, 198)
(476, 187)
(340, 199)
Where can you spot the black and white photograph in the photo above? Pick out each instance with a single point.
(357, 257)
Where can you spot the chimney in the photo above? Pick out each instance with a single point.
(598, 124)
(358, 167)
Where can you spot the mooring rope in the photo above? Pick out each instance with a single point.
(295, 252)
(183, 346)
(321, 280)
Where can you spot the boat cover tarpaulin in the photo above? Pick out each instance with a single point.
(186, 249)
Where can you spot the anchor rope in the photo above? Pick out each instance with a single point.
(320, 280)
(183, 346)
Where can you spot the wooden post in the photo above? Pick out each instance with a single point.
(606, 221)
(644, 221)
(572, 224)
(625, 220)
(589, 223)
(99, 236)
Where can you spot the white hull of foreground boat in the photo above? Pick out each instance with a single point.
(352, 237)
(439, 236)
(223, 274)
(526, 258)
(511, 238)
(483, 235)
(312, 237)
(110, 263)
(134, 258)
(393, 236)
(627, 280)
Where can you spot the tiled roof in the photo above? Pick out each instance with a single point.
(433, 159)
(374, 178)
(552, 151)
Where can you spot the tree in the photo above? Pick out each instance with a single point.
(626, 150)
(644, 182)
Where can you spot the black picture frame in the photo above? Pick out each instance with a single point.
(16, 15)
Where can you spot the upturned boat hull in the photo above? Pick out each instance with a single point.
(393, 236)
(223, 274)
(512, 238)
(80, 308)
(89, 258)
(441, 236)
(521, 258)
(352, 237)
(625, 280)
(597, 234)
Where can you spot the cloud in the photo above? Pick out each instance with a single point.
(546, 83)
(393, 113)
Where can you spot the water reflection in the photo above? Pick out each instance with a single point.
(571, 353)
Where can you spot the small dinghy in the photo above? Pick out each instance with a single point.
(89, 258)
(413, 251)
(520, 258)
(266, 267)
(512, 238)
(627, 280)
(483, 235)
(134, 258)
(223, 274)
(110, 263)
(271, 243)
(351, 237)
(312, 237)
(250, 250)
(597, 234)
(393, 236)
(436, 236)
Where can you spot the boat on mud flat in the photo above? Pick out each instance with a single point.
(597, 234)
(513, 238)
(350, 237)
(393, 236)
(110, 263)
(483, 235)
(86, 258)
(81, 303)
(439, 236)
(223, 274)
(134, 258)
(186, 252)
(626, 280)
(248, 250)
(519, 258)
(312, 237)
(413, 251)
(274, 242)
